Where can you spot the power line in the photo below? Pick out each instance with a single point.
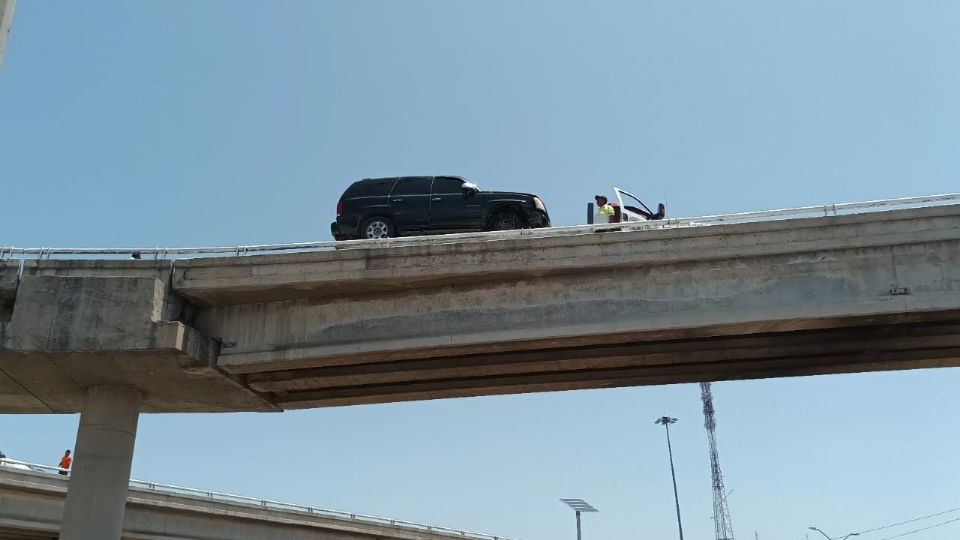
(923, 529)
(910, 521)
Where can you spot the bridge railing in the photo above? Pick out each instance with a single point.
(264, 503)
(159, 253)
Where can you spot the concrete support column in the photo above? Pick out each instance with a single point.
(6, 19)
(97, 496)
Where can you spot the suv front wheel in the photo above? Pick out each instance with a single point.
(377, 227)
(506, 220)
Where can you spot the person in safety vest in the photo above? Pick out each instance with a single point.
(605, 211)
(65, 463)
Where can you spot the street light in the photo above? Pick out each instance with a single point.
(579, 505)
(666, 421)
(825, 535)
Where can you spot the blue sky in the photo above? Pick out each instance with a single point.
(216, 122)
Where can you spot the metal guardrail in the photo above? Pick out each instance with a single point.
(265, 503)
(159, 253)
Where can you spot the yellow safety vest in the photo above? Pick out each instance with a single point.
(604, 213)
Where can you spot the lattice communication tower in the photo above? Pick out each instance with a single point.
(721, 512)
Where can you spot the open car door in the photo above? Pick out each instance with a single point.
(633, 209)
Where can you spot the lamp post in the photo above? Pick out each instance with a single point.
(579, 505)
(666, 421)
(825, 535)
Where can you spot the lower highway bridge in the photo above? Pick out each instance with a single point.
(770, 294)
(32, 500)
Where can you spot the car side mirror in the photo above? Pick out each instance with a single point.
(469, 190)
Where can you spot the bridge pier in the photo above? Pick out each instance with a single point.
(97, 495)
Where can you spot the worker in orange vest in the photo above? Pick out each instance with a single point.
(65, 463)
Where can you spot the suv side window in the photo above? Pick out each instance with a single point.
(415, 185)
(370, 188)
(444, 185)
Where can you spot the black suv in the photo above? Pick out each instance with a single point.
(387, 207)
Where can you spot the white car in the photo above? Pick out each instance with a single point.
(629, 208)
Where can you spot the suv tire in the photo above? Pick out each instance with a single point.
(506, 220)
(377, 227)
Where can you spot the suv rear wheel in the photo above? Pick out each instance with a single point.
(377, 227)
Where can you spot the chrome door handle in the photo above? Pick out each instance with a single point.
(398, 200)
(437, 199)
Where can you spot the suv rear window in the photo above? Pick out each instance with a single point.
(370, 188)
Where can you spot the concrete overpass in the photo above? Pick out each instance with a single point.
(863, 292)
(32, 507)
(481, 316)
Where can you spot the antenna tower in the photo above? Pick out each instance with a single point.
(721, 512)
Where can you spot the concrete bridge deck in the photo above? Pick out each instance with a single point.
(861, 292)
(32, 506)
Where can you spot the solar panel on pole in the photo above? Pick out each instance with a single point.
(578, 506)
